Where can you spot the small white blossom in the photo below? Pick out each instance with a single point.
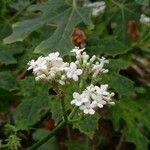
(78, 99)
(145, 19)
(77, 50)
(97, 7)
(92, 59)
(73, 72)
(61, 82)
(98, 67)
(87, 108)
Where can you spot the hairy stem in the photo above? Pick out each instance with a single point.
(44, 140)
(63, 109)
(74, 4)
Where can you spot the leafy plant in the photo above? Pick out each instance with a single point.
(117, 30)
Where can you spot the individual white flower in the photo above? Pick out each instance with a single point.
(92, 59)
(55, 59)
(87, 108)
(61, 82)
(73, 72)
(85, 58)
(32, 64)
(77, 50)
(102, 89)
(97, 7)
(98, 67)
(77, 99)
(40, 77)
(145, 19)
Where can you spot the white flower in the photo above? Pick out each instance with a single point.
(77, 99)
(32, 64)
(85, 58)
(97, 7)
(102, 89)
(145, 19)
(61, 82)
(73, 72)
(92, 59)
(87, 108)
(77, 50)
(98, 67)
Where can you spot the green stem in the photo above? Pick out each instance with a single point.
(76, 120)
(44, 140)
(63, 109)
(76, 108)
(74, 4)
(54, 131)
(72, 113)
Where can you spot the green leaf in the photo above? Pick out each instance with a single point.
(88, 125)
(50, 144)
(8, 53)
(7, 81)
(136, 137)
(76, 145)
(115, 65)
(8, 86)
(120, 15)
(5, 29)
(48, 12)
(136, 116)
(56, 109)
(122, 85)
(108, 46)
(66, 17)
(34, 103)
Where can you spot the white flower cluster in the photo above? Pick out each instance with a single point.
(92, 98)
(145, 19)
(93, 65)
(97, 7)
(52, 67)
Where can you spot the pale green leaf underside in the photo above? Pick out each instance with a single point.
(23, 28)
(56, 12)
